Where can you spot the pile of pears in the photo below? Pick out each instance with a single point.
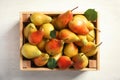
(62, 41)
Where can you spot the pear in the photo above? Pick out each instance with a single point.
(41, 60)
(82, 40)
(90, 49)
(30, 51)
(54, 46)
(41, 45)
(80, 17)
(35, 37)
(91, 35)
(64, 62)
(62, 20)
(29, 29)
(57, 56)
(80, 61)
(78, 26)
(39, 18)
(68, 36)
(90, 25)
(47, 28)
(70, 50)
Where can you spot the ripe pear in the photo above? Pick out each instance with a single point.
(54, 46)
(39, 18)
(47, 28)
(41, 60)
(80, 61)
(81, 17)
(91, 35)
(57, 56)
(90, 49)
(35, 37)
(83, 40)
(70, 50)
(30, 51)
(68, 36)
(62, 20)
(41, 45)
(78, 26)
(90, 25)
(64, 62)
(29, 29)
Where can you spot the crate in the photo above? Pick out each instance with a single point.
(27, 65)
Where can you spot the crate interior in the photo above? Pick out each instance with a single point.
(28, 64)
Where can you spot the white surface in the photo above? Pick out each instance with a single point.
(109, 14)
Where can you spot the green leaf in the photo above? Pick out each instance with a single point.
(52, 63)
(90, 14)
(53, 34)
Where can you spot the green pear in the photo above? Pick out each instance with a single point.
(29, 29)
(90, 49)
(30, 51)
(68, 36)
(47, 28)
(39, 18)
(80, 61)
(70, 50)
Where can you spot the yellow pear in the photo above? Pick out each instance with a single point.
(57, 56)
(91, 35)
(70, 50)
(90, 49)
(41, 45)
(90, 25)
(47, 28)
(83, 40)
(30, 51)
(39, 18)
(29, 29)
(68, 36)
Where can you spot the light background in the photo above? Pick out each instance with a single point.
(109, 16)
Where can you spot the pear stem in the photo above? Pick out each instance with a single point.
(74, 8)
(98, 44)
(97, 29)
(90, 35)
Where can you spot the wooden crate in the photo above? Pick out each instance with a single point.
(94, 64)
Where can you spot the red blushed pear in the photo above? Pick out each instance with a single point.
(35, 37)
(78, 26)
(64, 62)
(67, 36)
(80, 61)
(63, 19)
(54, 46)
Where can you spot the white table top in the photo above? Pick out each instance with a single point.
(109, 15)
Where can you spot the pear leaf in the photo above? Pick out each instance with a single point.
(53, 34)
(90, 14)
(52, 63)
